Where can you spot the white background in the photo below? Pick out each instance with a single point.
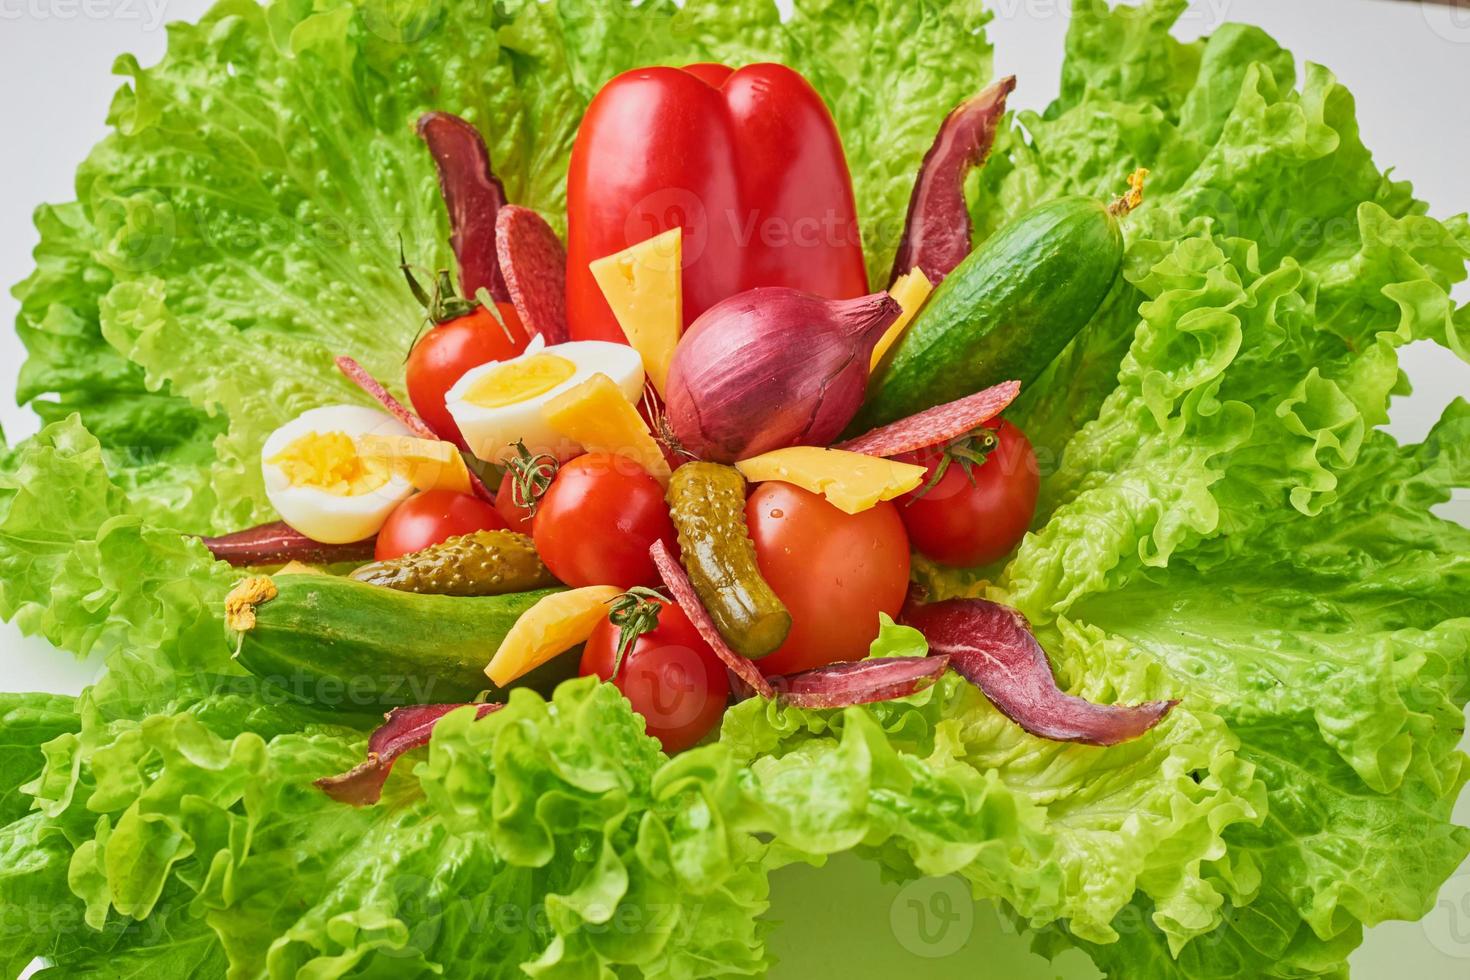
(1409, 67)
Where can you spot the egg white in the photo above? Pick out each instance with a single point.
(327, 517)
(491, 433)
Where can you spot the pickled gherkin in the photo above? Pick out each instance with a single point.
(480, 564)
(707, 503)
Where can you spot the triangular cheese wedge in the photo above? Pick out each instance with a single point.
(597, 416)
(643, 286)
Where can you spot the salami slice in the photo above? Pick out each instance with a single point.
(937, 425)
(861, 682)
(404, 729)
(534, 264)
(359, 376)
(992, 647)
(279, 543)
(739, 690)
(683, 592)
(474, 197)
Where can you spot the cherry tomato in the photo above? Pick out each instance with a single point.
(834, 571)
(670, 676)
(964, 523)
(595, 524)
(446, 352)
(431, 518)
(517, 518)
(534, 473)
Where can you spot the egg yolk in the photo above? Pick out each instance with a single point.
(517, 381)
(330, 462)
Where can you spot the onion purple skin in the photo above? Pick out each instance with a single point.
(773, 367)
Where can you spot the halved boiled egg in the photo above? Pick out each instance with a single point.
(324, 483)
(499, 404)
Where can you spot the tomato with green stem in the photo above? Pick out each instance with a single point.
(527, 478)
(462, 335)
(431, 518)
(835, 572)
(651, 652)
(597, 520)
(977, 499)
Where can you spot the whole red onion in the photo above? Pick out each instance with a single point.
(773, 367)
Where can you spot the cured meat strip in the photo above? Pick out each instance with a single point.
(474, 197)
(992, 646)
(404, 729)
(279, 543)
(937, 230)
(860, 682)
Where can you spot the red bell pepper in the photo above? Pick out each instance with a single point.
(747, 162)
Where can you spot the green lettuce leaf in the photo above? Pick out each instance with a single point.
(1339, 661)
(1221, 521)
(1221, 501)
(942, 783)
(81, 567)
(540, 836)
(28, 721)
(157, 445)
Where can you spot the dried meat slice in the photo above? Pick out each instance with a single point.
(403, 729)
(860, 682)
(279, 543)
(474, 197)
(992, 647)
(937, 231)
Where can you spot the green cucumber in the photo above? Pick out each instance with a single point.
(1004, 313)
(347, 645)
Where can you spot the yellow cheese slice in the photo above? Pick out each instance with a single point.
(549, 628)
(911, 290)
(426, 463)
(642, 284)
(598, 416)
(299, 568)
(851, 482)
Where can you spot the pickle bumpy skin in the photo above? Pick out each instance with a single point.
(480, 564)
(707, 503)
